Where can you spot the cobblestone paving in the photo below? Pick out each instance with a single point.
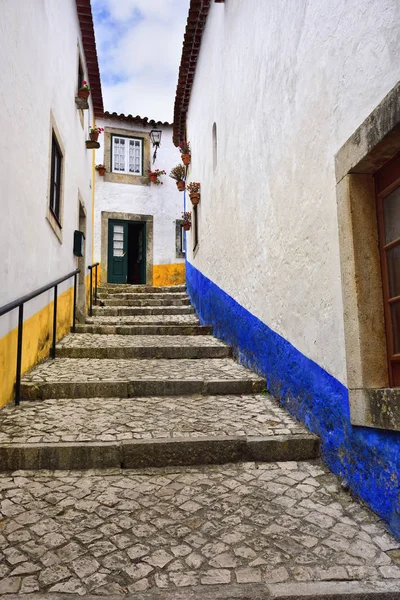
(145, 319)
(117, 532)
(99, 419)
(92, 369)
(92, 340)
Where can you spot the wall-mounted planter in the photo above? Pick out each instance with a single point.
(186, 159)
(101, 172)
(91, 144)
(180, 185)
(153, 177)
(186, 226)
(94, 136)
(83, 93)
(194, 198)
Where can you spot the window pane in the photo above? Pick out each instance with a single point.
(395, 316)
(391, 213)
(393, 270)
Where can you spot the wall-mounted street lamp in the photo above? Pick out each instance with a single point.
(155, 138)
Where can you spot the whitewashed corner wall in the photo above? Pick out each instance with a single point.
(164, 202)
(284, 97)
(38, 66)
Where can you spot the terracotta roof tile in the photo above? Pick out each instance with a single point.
(196, 21)
(84, 11)
(130, 118)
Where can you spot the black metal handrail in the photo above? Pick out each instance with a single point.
(20, 305)
(91, 267)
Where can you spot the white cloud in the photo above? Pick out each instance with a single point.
(139, 46)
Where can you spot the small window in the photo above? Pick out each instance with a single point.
(180, 239)
(195, 225)
(81, 76)
(127, 155)
(55, 179)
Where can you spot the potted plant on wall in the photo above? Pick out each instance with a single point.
(84, 91)
(94, 133)
(178, 173)
(184, 148)
(187, 220)
(101, 169)
(194, 192)
(154, 175)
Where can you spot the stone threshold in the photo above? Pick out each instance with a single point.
(163, 452)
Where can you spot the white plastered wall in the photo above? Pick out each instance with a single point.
(287, 83)
(38, 66)
(164, 202)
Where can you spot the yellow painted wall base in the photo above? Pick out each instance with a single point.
(174, 274)
(36, 342)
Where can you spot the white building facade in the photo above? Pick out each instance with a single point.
(292, 113)
(46, 187)
(138, 234)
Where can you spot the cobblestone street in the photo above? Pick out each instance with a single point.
(118, 532)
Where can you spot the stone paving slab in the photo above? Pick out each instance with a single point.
(91, 377)
(88, 345)
(277, 529)
(125, 311)
(116, 419)
(146, 329)
(144, 320)
(117, 288)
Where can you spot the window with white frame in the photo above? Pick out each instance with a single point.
(127, 155)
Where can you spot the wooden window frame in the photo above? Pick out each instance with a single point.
(195, 222)
(384, 186)
(130, 137)
(56, 180)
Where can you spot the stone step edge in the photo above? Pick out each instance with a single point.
(31, 391)
(160, 452)
(313, 590)
(130, 311)
(145, 329)
(144, 352)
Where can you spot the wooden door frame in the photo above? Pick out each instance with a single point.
(122, 216)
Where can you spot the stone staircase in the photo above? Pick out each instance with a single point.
(239, 506)
(160, 389)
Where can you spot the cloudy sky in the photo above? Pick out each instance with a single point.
(139, 44)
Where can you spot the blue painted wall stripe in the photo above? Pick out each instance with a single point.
(369, 459)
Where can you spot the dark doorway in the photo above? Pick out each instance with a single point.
(126, 252)
(136, 253)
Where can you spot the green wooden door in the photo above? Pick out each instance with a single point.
(117, 251)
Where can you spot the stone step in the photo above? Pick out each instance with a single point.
(121, 311)
(143, 297)
(110, 301)
(141, 346)
(144, 320)
(105, 378)
(89, 433)
(117, 288)
(145, 329)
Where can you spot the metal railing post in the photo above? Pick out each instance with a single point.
(91, 294)
(74, 310)
(53, 349)
(95, 285)
(19, 355)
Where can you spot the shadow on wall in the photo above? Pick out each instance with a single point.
(369, 459)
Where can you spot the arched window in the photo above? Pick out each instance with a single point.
(215, 145)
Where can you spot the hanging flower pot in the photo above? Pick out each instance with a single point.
(180, 185)
(187, 220)
(94, 133)
(194, 192)
(178, 173)
(184, 148)
(154, 175)
(84, 91)
(100, 169)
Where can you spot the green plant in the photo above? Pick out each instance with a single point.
(193, 187)
(96, 129)
(85, 86)
(187, 217)
(178, 172)
(99, 167)
(157, 173)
